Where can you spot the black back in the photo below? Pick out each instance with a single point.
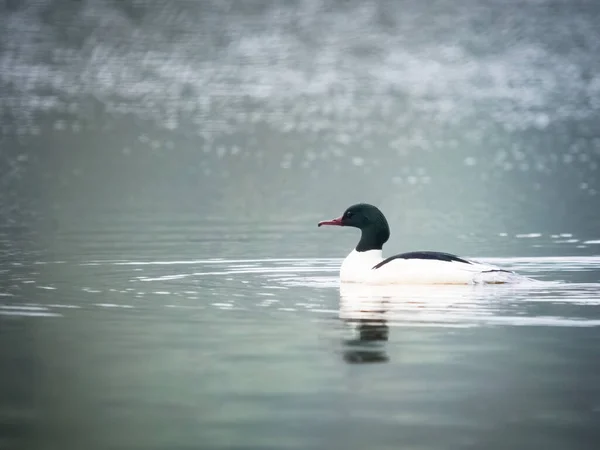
(439, 256)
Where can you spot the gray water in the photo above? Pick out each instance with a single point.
(135, 337)
(163, 165)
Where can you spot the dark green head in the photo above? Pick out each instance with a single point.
(369, 220)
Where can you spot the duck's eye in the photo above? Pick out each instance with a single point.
(349, 215)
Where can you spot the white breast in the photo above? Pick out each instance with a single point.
(357, 266)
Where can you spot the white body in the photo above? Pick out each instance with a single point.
(358, 268)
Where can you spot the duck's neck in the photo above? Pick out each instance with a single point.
(373, 238)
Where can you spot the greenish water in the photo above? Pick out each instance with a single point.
(153, 344)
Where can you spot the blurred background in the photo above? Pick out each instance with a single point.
(140, 139)
(460, 120)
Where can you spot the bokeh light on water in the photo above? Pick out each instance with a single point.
(454, 118)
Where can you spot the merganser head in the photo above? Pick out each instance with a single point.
(367, 218)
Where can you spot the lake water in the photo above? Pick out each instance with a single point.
(163, 166)
(125, 339)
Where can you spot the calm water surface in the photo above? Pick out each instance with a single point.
(119, 338)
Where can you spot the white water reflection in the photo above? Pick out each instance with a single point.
(466, 306)
(26, 311)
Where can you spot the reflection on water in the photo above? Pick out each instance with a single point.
(369, 311)
(368, 324)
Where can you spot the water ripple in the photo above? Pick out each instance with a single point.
(311, 286)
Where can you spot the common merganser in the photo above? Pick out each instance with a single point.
(365, 264)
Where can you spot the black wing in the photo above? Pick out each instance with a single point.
(439, 256)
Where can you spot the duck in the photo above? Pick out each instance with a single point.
(365, 264)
